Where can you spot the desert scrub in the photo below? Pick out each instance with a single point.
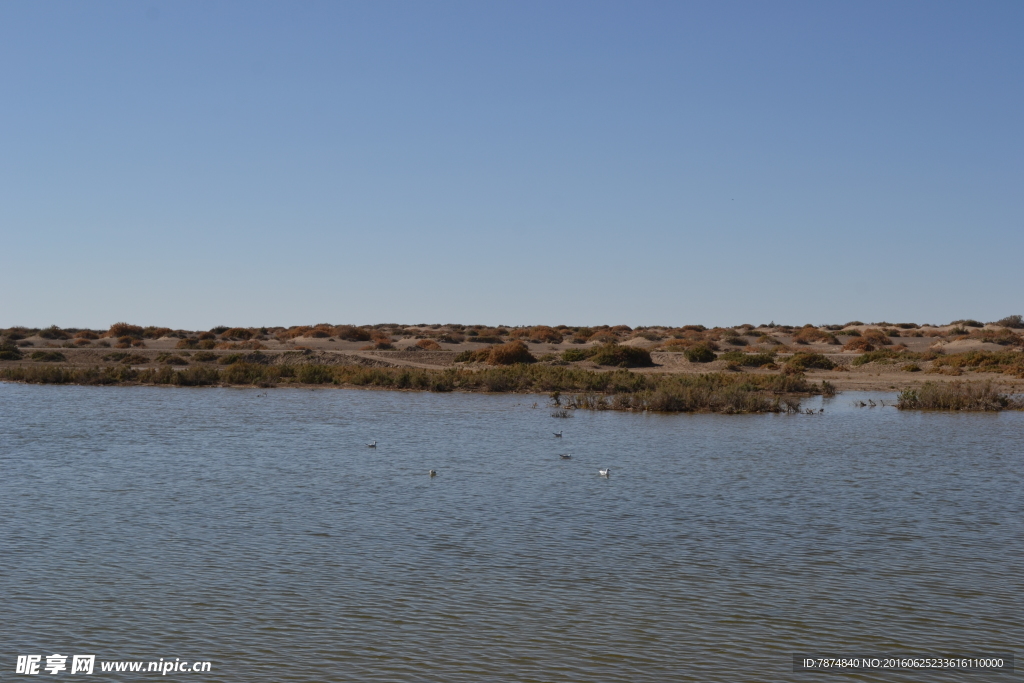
(957, 396)
(1008, 362)
(428, 345)
(622, 356)
(1003, 337)
(699, 353)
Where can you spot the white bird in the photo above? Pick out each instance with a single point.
(558, 434)
(432, 473)
(605, 472)
(372, 445)
(565, 456)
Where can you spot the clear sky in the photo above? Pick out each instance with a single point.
(251, 163)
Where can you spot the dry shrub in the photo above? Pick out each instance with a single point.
(351, 333)
(858, 344)
(54, 332)
(538, 334)
(187, 343)
(82, 342)
(604, 337)
(428, 345)
(509, 353)
(807, 335)
(156, 332)
(86, 334)
(877, 337)
(648, 334)
(1015, 322)
(237, 334)
(121, 330)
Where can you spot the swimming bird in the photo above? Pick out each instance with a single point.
(558, 434)
(432, 473)
(565, 456)
(605, 472)
(372, 445)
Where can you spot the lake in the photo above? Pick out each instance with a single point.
(254, 529)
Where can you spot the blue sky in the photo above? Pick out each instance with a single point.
(249, 163)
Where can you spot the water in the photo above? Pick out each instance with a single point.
(261, 533)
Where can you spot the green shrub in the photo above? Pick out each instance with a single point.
(48, 357)
(204, 357)
(9, 351)
(806, 361)
(701, 353)
(750, 360)
(230, 359)
(574, 355)
(622, 356)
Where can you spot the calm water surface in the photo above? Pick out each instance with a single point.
(262, 534)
